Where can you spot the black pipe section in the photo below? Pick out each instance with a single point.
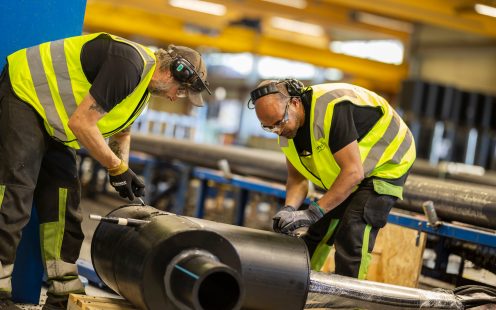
(177, 262)
(196, 279)
(453, 200)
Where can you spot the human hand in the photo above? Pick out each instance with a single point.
(126, 182)
(288, 219)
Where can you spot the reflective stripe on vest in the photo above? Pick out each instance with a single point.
(50, 78)
(43, 90)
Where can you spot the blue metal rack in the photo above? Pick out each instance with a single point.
(250, 184)
(247, 184)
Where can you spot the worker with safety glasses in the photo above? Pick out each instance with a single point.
(56, 97)
(351, 143)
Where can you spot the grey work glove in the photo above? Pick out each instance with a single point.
(125, 181)
(288, 219)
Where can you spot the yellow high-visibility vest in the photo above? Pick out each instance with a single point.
(50, 78)
(387, 151)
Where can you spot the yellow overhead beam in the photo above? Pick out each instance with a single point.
(441, 13)
(318, 12)
(132, 22)
(330, 16)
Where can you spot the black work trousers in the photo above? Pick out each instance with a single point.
(35, 167)
(352, 228)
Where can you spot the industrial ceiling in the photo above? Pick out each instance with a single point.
(245, 26)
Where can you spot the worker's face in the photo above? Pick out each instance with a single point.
(276, 115)
(164, 85)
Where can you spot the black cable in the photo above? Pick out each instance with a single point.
(477, 290)
(476, 302)
(464, 288)
(472, 290)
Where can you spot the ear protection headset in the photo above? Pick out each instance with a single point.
(183, 71)
(294, 87)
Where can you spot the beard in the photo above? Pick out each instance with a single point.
(291, 134)
(158, 88)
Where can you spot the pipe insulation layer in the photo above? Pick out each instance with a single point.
(177, 262)
(453, 200)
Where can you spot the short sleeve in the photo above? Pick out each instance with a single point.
(343, 130)
(118, 75)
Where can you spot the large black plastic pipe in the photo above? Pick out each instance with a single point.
(196, 279)
(453, 200)
(177, 262)
(467, 203)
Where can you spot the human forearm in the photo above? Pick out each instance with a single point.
(350, 175)
(296, 192)
(120, 144)
(342, 187)
(296, 187)
(83, 123)
(93, 141)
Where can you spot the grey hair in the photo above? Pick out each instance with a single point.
(164, 59)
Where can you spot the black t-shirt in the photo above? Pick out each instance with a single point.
(349, 123)
(113, 69)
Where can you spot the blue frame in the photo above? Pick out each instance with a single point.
(468, 234)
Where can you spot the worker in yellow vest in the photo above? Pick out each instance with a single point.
(349, 142)
(55, 97)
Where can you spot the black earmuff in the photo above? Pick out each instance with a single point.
(294, 87)
(184, 72)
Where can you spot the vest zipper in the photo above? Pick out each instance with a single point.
(323, 186)
(137, 110)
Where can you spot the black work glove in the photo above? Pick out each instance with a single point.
(288, 219)
(125, 181)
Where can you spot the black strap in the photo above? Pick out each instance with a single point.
(265, 90)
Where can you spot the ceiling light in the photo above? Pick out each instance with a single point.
(200, 6)
(297, 26)
(381, 21)
(299, 4)
(485, 10)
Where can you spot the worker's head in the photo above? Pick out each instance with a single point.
(180, 73)
(279, 107)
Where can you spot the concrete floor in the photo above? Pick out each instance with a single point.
(103, 205)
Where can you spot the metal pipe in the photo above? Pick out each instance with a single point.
(331, 290)
(453, 201)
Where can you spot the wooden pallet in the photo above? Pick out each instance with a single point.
(83, 302)
(396, 258)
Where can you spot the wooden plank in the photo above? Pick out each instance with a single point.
(396, 259)
(84, 302)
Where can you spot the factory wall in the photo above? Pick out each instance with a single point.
(454, 58)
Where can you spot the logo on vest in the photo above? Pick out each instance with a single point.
(320, 146)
